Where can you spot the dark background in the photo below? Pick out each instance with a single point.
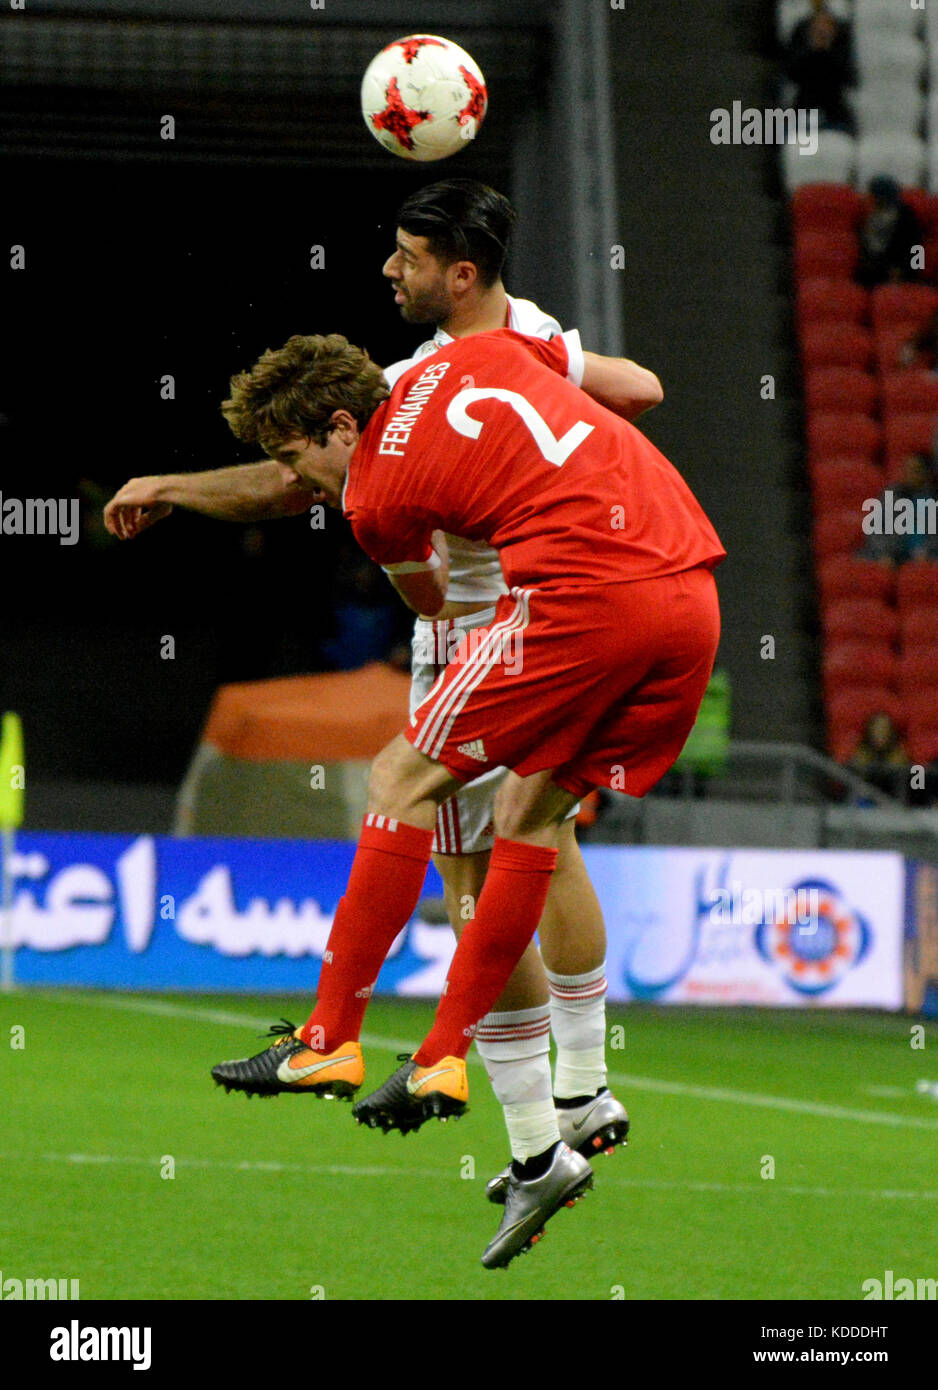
(190, 257)
(136, 270)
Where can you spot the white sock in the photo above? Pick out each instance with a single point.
(578, 1023)
(515, 1048)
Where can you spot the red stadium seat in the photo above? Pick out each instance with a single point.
(859, 619)
(837, 533)
(891, 304)
(831, 344)
(908, 434)
(919, 626)
(910, 392)
(843, 483)
(851, 433)
(889, 342)
(921, 742)
(847, 664)
(842, 389)
(918, 675)
(822, 465)
(894, 466)
(931, 259)
(925, 207)
(842, 741)
(844, 576)
(832, 253)
(822, 299)
(919, 707)
(917, 583)
(819, 206)
(921, 716)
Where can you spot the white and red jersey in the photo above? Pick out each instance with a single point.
(487, 438)
(475, 574)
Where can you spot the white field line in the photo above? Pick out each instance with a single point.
(444, 1175)
(635, 1083)
(801, 1107)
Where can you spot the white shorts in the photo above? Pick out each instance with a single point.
(465, 824)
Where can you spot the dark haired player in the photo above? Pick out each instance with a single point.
(452, 238)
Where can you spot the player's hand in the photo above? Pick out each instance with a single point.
(136, 506)
(438, 541)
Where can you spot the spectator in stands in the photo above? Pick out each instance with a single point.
(922, 348)
(819, 60)
(879, 757)
(887, 237)
(915, 483)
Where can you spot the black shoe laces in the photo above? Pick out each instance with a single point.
(280, 1030)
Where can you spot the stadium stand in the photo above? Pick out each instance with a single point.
(841, 389)
(870, 391)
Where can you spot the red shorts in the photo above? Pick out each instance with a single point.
(600, 683)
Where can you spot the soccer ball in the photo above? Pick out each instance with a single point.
(423, 97)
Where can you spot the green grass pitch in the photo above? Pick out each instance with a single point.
(290, 1199)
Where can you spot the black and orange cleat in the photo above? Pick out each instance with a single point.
(414, 1094)
(289, 1065)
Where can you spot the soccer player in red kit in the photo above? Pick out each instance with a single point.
(591, 673)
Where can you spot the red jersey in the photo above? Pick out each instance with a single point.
(491, 438)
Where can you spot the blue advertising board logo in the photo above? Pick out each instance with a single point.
(814, 956)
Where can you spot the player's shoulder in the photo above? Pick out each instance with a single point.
(562, 354)
(396, 370)
(529, 318)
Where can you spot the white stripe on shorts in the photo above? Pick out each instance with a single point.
(438, 723)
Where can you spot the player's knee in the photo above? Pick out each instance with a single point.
(526, 812)
(513, 815)
(385, 781)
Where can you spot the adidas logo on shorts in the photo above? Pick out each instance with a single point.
(475, 749)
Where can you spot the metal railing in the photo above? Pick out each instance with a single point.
(772, 795)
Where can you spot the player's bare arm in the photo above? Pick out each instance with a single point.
(424, 590)
(621, 385)
(245, 492)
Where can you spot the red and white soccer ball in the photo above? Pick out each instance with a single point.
(423, 97)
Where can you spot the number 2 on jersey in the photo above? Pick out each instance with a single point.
(554, 450)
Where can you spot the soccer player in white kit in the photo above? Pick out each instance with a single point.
(452, 239)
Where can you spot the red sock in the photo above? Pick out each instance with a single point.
(508, 911)
(384, 886)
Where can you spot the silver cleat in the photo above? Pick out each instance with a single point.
(593, 1128)
(531, 1202)
(496, 1187)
